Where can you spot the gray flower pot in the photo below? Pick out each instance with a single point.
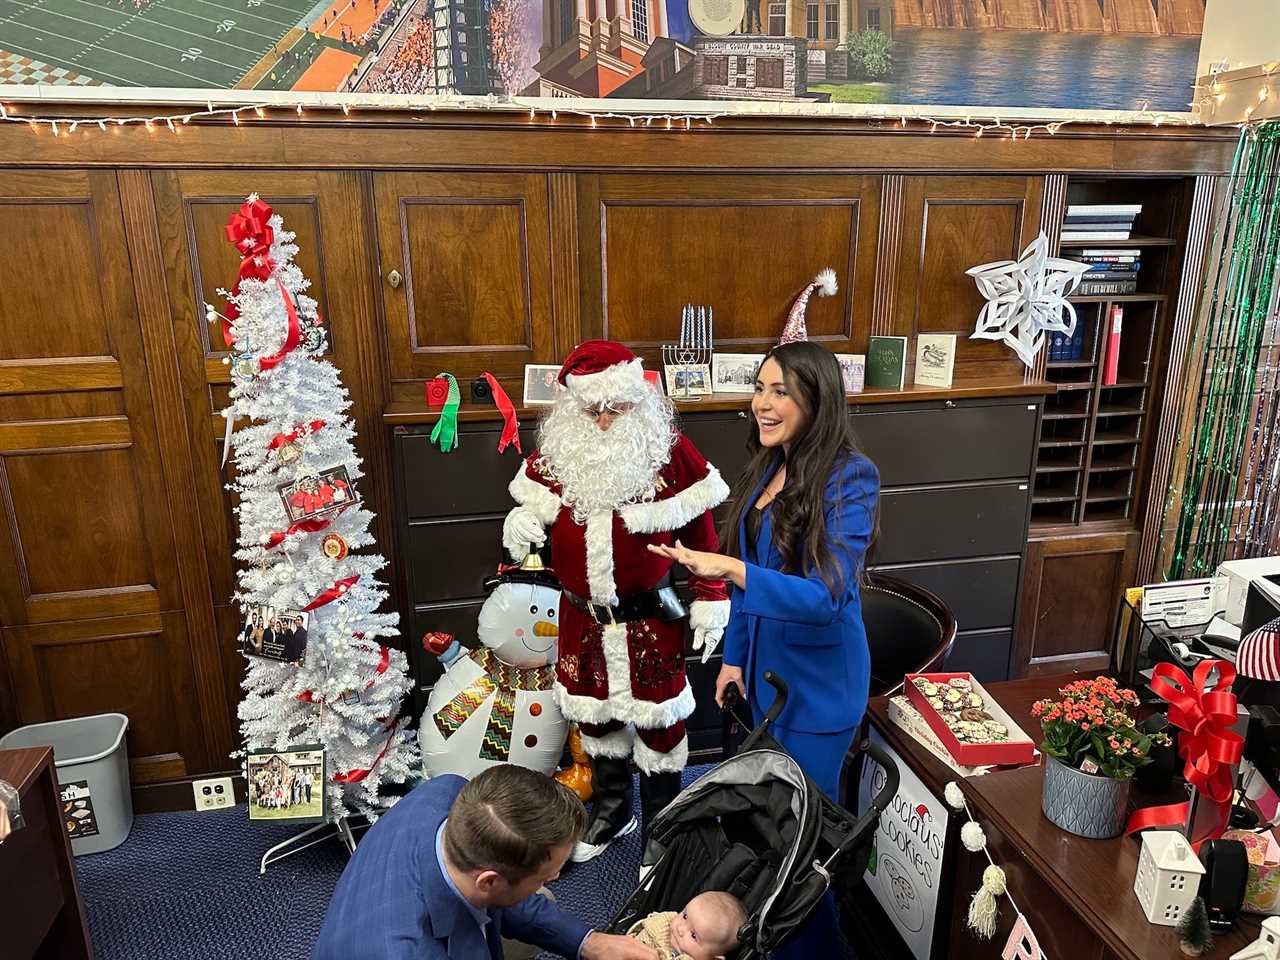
(1084, 803)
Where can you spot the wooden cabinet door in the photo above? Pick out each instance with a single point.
(90, 593)
(743, 245)
(326, 211)
(1071, 594)
(466, 276)
(950, 224)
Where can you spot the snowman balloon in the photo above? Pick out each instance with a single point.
(496, 704)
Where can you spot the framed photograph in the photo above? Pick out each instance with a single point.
(734, 372)
(688, 379)
(541, 389)
(313, 495)
(276, 634)
(287, 784)
(853, 370)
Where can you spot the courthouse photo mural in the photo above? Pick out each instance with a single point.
(1101, 54)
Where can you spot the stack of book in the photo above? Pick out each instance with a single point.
(1100, 221)
(1064, 348)
(1110, 271)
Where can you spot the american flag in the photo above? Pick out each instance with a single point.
(1259, 655)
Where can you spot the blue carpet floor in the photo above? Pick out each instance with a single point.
(185, 886)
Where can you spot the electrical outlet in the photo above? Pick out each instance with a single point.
(214, 794)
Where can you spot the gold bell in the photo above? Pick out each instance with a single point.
(532, 562)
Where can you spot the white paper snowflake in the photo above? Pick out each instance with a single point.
(1026, 298)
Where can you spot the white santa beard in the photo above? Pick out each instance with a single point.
(605, 469)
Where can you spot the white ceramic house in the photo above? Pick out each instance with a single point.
(1266, 947)
(1168, 876)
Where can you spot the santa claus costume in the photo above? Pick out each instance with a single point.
(611, 476)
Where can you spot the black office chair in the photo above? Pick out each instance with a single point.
(909, 630)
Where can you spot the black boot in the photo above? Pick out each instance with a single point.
(611, 815)
(656, 791)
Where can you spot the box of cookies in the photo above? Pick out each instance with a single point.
(972, 726)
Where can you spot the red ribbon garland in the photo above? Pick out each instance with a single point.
(314, 525)
(292, 338)
(280, 439)
(355, 776)
(1209, 746)
(510, 425)
(250, 233)
(339, 588)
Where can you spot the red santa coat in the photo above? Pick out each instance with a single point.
(632, 672)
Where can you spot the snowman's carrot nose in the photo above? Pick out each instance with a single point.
(544, 629)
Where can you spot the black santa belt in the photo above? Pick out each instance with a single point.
(659, 603)
(503, 680)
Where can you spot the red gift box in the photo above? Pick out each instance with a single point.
(1018, 749)
(437, 393)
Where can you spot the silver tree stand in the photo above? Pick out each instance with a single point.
(344, 829)
(693, 350)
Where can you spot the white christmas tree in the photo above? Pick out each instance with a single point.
(345, 694)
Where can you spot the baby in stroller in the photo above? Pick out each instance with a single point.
(707, 928)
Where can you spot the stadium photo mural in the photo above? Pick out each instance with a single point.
(1076, 54)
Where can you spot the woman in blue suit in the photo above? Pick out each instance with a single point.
(804, 514)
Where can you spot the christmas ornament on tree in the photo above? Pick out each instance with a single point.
(497, 704)
(333, 680)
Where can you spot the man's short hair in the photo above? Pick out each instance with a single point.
(509, 819)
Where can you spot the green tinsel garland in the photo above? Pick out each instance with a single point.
(1239, 297)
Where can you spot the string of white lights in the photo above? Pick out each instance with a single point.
(980, 124)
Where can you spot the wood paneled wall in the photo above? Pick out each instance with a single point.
(433, 243)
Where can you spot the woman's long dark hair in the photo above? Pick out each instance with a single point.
(824, 442)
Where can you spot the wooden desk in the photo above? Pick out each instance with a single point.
(41, 914)
(1077, 894)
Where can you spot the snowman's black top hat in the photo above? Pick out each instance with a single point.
(531, 571)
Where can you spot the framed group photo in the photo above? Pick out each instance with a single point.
(276, 634)
(287, 784)
(853, 370)
(316, 495)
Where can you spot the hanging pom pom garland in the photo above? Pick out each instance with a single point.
(984, 908)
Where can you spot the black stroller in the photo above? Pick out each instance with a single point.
(758, 828)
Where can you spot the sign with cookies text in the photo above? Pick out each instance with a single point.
(905, 870)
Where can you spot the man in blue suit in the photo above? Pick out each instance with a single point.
(455, 866)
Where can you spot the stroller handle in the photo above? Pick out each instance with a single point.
(732, 699)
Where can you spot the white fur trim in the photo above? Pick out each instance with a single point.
(621, 705)
(537, 497)
(651, 761)
(826, 281)
(622, 382)
(659, 516)
(709, 614)
(616, 744)
(599, 538)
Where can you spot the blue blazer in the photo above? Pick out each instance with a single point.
(792, 624)
(392, 901)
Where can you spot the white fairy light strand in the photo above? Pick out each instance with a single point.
(981, 125)
(957, 801)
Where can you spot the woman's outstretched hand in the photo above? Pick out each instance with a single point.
(712, 566)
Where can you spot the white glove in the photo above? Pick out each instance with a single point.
(521, 532)
(707, 639)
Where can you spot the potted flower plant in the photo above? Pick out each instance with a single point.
(1092, 749)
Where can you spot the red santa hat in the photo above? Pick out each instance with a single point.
(602, 371)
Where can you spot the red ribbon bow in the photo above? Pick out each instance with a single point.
(251, 234)
(314, 525)
(1208, 745)
(280, 439)
(339, 588)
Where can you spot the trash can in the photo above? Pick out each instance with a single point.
(93, 776)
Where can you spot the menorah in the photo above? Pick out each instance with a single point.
(692, 352)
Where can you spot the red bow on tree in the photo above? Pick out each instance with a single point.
(1208, 745)
(251, 234)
